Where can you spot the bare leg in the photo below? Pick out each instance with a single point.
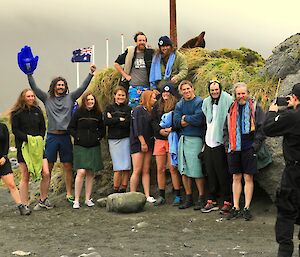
(248, 189)
(117, 179)
(200, 186)
(24, 183)
(10, 183)
(78, 183)
(89, 184)
(68, 177)
(187, 184)
(146, 173)
(174, 175)
(237, 189)
(125, 178)
(161, 171)
(137, 162)
(45, 182)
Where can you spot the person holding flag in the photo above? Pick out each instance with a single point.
(58, 104)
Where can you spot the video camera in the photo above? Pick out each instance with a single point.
(282, 100)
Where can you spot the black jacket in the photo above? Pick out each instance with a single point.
(118, 129)
(86, 127)
(148, 54)
(156, 118)
(4, 140)
(287, 124)
(28, 121)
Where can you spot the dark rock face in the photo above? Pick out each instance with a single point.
(195, 42)
(284, 63)
(285, 59)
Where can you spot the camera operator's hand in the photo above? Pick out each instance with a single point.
(273, 108)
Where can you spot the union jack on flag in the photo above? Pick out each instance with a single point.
(82, 55)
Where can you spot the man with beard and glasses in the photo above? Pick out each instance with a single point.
(168, 65)
(243, 136)
(135, 73)
(58, 104)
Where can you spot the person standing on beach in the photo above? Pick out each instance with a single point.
(117, 118)
(243, 136)
(6, 173)
(190, 122)
(215, 108)
(137, 63)
(58, 104)
(286, 123)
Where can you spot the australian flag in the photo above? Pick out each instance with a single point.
(82, 55)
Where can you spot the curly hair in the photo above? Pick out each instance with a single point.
(53, 83)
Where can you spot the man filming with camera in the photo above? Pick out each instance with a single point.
(286, 123)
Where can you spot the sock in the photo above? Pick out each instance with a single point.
(162, 193)
(189, 198)
(177, 192)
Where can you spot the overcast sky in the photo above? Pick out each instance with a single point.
(55, 28)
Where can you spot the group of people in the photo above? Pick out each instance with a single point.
(155, 111)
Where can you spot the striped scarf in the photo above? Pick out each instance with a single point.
(236, 123)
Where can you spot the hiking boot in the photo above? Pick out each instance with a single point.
(160, 201)
(186, 205)
(225, 208)
(76, 205)
(24, 210)
(234, 214)
(177, 201)
(199, 204)
(247, 214)
(89, 203)
(210, 206)
(70, 198)
(45, 204)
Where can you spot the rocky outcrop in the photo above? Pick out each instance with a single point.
(126, 203)
(285, 59)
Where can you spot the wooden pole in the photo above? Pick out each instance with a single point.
(173, 27)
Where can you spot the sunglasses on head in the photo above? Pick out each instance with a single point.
(214, 81)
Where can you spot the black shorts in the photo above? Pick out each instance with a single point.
(6, 168)
(242, 161)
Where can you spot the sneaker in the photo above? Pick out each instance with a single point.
(24, 209)
(89, 203)
(225, 208)
(186, 205)
(160, 201)
(76, 205)
(46, 204)
(151, 199)
(210, 206)
(233, 214)
(70, 198)
(177, 201)
(247, 214)
(199, 204)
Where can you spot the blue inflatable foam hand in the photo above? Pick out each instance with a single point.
(26, 61)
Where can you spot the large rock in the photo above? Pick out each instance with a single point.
(126, 202)
(285, 59)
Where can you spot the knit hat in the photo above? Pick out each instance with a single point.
(168, 88)
(296, 90)
(164, 41)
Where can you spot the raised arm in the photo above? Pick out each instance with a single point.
(79, 91)
(39, 93)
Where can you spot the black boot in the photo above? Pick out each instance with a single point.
(24, 210)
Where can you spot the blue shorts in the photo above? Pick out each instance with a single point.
(134, 94)
(59, 143)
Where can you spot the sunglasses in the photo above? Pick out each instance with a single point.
(214, 81)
